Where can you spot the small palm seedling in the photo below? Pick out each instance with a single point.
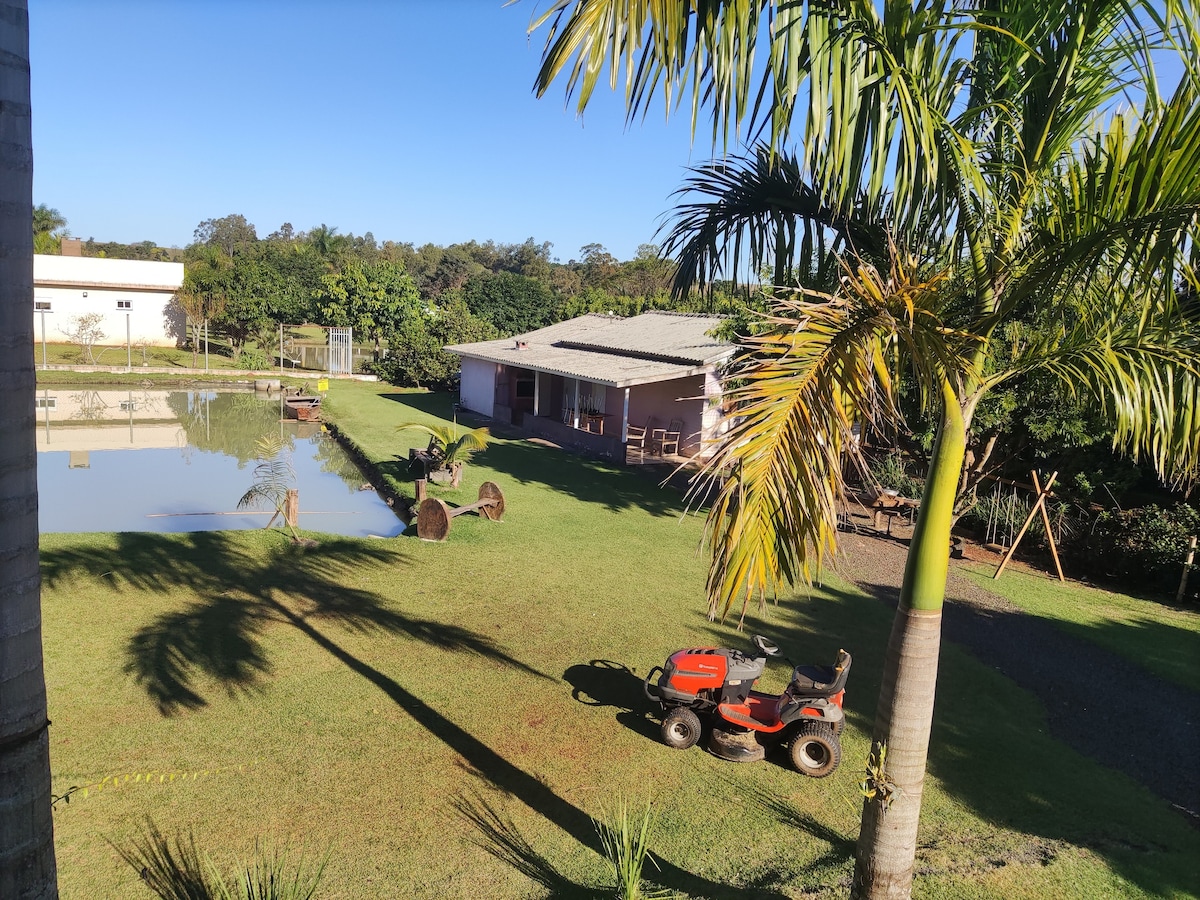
(273, 478)
(449, 450)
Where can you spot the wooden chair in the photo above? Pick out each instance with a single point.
(666, 440)
(636, 439)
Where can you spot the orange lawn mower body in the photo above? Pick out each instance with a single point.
(713, 688)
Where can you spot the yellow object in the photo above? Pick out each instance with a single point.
(323, 384)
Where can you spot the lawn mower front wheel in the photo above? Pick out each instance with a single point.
(816, 750)
(681, 728)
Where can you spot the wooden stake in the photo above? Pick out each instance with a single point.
(1042, 494)
(1049, 531)
(291, 507)
(1187, 566)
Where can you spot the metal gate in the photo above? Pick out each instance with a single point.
(341, 351)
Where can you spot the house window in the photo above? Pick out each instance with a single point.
(525, 389)
(124, 304)
(41, 305)
(46, 403)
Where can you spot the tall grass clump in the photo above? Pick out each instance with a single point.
(625, 838)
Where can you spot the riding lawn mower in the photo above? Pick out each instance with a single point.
(715, 687)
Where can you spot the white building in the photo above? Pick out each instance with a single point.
(134, 296)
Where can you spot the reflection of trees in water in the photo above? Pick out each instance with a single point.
(90, 406)
(336, 461)
(229, 423)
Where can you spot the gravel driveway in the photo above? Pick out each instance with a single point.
(1090, 696)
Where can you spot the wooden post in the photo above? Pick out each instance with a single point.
(291, 507)
(1042, 495)
(1049, 531)
(1187, 566)
(420, 486)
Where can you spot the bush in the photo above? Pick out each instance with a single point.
(416, 357)
(1144, 546)
(891, 473)
(253, 359)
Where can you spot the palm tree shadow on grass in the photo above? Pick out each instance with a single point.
(501, 838)
(305, 590)
(218, 637)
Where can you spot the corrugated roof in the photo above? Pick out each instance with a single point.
(664, 335)
(612, 350)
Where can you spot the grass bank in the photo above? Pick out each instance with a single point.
(444, 718)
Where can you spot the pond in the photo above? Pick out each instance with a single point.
(180, 460)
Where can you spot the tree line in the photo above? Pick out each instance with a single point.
(408, 301)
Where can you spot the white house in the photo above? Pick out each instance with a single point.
(134, 296)
(594, 380)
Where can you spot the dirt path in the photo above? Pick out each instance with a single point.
(1104, 707)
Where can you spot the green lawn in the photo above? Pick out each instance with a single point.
(432, 713)
(117, 355)
(1160, 637)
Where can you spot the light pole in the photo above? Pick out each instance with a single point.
(44, 365)
(126, 306)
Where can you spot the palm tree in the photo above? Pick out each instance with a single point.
(48, 229)
(981, 192)
(448, 449)
(273, 477)
(27, 868)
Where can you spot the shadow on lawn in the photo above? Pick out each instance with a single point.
(502, 839)
(305, 590)
(988, 749)
(603, 682)
(585, 479)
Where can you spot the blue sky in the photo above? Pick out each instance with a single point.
(413, 120)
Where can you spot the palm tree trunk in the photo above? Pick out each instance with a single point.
(887, 841)
(27, 870)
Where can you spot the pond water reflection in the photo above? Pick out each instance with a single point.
(156, 460)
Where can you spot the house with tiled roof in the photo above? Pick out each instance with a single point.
(588, 382)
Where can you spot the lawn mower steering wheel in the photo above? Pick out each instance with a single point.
(764, 645)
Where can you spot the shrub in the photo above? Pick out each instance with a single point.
(891, 473)
(416, 357)
(1145, 546)
(253, 359)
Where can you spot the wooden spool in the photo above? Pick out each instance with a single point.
(433, 515)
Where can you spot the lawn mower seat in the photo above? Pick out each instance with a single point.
(812, 682)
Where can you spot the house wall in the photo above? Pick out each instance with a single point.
(75, 286)
(662, 401)
(477, 390)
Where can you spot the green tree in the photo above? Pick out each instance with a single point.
(416, 357)
(960, 168)
(229, 233)
(371, 299)
(49, 228)
(328, 244)
(27, 867)
(513, 303)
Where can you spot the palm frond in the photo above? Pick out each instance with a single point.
(273, 475)
(765, 202)
(453, 445)
(797, 391)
